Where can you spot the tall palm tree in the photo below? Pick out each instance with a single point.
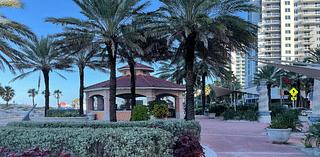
(195, 22)
(172, 71)
(315, 56)
(7, 94)
(32, 93)
(83, 53)
(106, 21)
(13, 32)
(57, 94)
(269, 73)
(41, 55)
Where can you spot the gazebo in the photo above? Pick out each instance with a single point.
(152, 88)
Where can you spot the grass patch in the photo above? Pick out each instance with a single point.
(25, 109)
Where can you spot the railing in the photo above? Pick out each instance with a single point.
(273, 14)
(276, 36)
(273, 49)
(273, 7)
(311, 6)
(273, 29)
(272, 0)
(272, 42)
(273, 55)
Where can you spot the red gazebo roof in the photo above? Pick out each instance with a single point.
(141, 81)
(137, 66)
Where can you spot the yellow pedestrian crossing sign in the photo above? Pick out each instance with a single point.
(293, 98)
(293, 92)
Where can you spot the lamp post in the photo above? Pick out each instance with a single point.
(281, 95)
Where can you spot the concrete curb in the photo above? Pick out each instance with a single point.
(209, 152)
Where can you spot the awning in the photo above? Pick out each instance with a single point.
(309, 71)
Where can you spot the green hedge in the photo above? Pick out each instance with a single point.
(120, 142)
(173, 126)
(53, 112)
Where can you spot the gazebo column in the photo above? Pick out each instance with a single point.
(264, 112)
(89, 102)
(315, 102)
(179, 108)
(106, 115)
(100, 103)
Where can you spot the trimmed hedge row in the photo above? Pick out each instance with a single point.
(122, 142)
(173, 126)
(54, 112)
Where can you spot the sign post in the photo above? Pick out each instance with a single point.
(293, 93)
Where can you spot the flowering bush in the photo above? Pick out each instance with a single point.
(160, 111)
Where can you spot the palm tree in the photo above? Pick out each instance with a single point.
(106, 21)
(7, 93)
(315, 56)
(195, 23)
(32, 93)
(57, 94)
(41, 55)
(172, 71)
(11, 31)
(269, 73)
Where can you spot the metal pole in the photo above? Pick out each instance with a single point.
(281, 90)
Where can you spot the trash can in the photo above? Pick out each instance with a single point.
(91, 116)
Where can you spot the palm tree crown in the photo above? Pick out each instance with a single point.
(7, 93)
(32, 93)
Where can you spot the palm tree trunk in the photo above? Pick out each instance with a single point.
(269, 93)
(81, 73)
(203, 94)
(46, 95)
(189, 58)
(113, 87)
(7, 103)
(59, 106)
(133, 85)
(33, 101)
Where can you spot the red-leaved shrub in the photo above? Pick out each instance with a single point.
(187, 145)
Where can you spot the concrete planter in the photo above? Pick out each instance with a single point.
(211, 115)
(158, 119)
(303, 118)
(151, 117)
(279, 135)
(91, 116)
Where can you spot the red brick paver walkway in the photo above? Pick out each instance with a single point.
(243, 139)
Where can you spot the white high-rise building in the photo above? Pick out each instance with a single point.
(288, 29)
(238, 64)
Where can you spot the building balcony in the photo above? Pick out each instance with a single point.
(270, 1)
(272, 29)
(273, 36)
(272, 42)
(307, 35)
(271, 56)
(272, 49)
(306, 42)
(270, 22)
(271, 8)
(311, 21)
(314, 6)
(310, 0)
(306, 29)
(310, 14)
(268, 15)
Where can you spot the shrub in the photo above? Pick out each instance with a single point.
(25, 153)
(151, 105)
(120, 142)
(247, 107)
(229, 114)
(160, 111)
(140, 113)
(198, 111)
(173, 126)
(68, 115)
(289, 119)
(187, 145)
(52, 112)
(277, 109)
(251, 115)
(308, 141)
(314, 133)
(218, 109)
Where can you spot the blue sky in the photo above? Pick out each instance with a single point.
(33, 16)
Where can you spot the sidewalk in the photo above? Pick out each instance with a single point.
(243, 139)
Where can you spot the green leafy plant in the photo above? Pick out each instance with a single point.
(218, 109)
(187, 145)
(276, 109)
(52, 112)
(198, 111)
(160, 111)
(229, 114)
(251, 115)
(67, 115)
(151, 105)
(307, 142)
(140, 113)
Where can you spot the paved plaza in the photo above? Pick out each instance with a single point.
(244, 139)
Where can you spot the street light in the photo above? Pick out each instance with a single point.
(281, 99)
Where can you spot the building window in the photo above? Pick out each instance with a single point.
(296, 52)
(288, 45)
(144, 72)
(317, 11)
(125, 72)
(287, 25)
(296, 59)
(317, 18)
(288, 51)
(296, 26)
(287, 9)
(287, 17)
(288, 58)
(296, 46)
(305, 19)
(287, 2)
(288, 38)
(295, 4)
(318, 26)
(318, 32)
(295, 11)
(318, 45)
(287, 31)
(318, 39)
(296, 19)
